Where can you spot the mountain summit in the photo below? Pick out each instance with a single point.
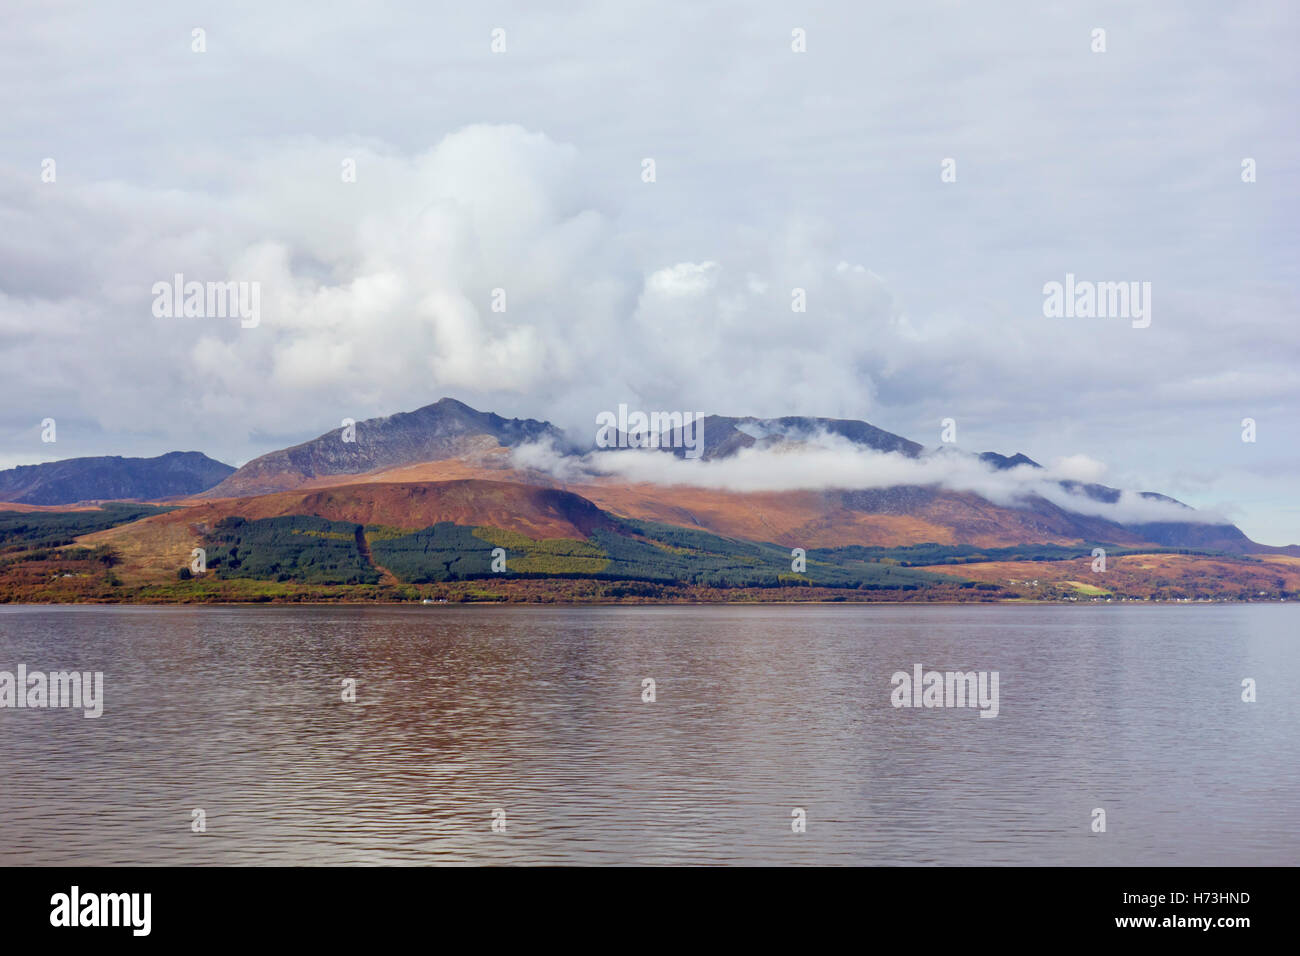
(445, 429)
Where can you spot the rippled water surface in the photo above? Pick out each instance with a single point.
(538, 712)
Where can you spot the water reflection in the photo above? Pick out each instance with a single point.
(538, 711)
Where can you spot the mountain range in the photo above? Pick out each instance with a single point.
(420, 496)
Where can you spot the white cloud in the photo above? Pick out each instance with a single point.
(825, 461)
(1079, 468)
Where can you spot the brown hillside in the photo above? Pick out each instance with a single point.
(154, 547)
(15, 506)
(829, 519)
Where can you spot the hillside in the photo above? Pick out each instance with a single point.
(891, 516)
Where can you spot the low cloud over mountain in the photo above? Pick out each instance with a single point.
(823, 461)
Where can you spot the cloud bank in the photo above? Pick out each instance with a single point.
(826, 461)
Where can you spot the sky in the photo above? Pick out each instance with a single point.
(424, 215)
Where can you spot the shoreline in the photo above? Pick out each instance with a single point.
(617, 603)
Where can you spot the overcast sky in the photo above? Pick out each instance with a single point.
(522, 170)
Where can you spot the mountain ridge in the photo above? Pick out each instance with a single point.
(112, 478)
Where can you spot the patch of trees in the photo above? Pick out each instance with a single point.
(20, 530)
(443, 552)
(293, 548)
